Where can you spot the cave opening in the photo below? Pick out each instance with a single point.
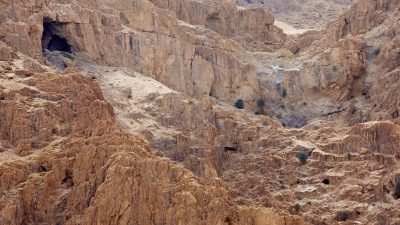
(326, 181)
(230, 149)
(58, 43)
(52, 38)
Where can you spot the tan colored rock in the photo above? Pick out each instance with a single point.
(88, 171)
(67, 158)
(6, 52)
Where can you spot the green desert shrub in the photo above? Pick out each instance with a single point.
(303, 157)
(343, 216)
(239, 104)
(261, 103)
(284, 93)
(297, 207)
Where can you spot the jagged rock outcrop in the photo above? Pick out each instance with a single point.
(342, 75)
(83, 169)
(257, 157)
(312, 14)
(170, 72)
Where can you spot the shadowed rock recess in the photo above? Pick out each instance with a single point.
(199, 112)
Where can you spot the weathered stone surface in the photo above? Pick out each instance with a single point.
(83, 169)
(170, 72)
(311, 14)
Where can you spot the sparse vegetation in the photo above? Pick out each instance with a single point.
(343, 216)
(239, 104)
(261, 105)
(297, 207)
(284, 93)
(334, 68)
(303, 157)
(397, 189)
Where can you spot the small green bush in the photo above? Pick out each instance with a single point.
(303, 157)
(284, 93)
(261, 103)
(334, 68)
(343, 216)
(297, 207)
(239, 104)
(397, 189)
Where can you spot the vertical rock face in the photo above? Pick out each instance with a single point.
(362, 17)
(225, 18)
(138, 35)
(337, 71)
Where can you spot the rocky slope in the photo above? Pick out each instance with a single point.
(66, 161)
(310, 14)
(121, 112)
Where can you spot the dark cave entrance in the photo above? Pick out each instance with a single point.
(326, 181)
(52, 38)
(58, 43)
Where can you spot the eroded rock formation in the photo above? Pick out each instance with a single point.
(122, 112)
(66, 161)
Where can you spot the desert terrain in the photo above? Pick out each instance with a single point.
(199, 112)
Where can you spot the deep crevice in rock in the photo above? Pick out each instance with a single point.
(68, 179)
(230, 149)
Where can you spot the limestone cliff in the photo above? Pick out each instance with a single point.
(123, 112)
(66, 161)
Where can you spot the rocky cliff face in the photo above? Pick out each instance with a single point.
(311, 14)
(122, 112)
(150, 39)
(66, 161)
